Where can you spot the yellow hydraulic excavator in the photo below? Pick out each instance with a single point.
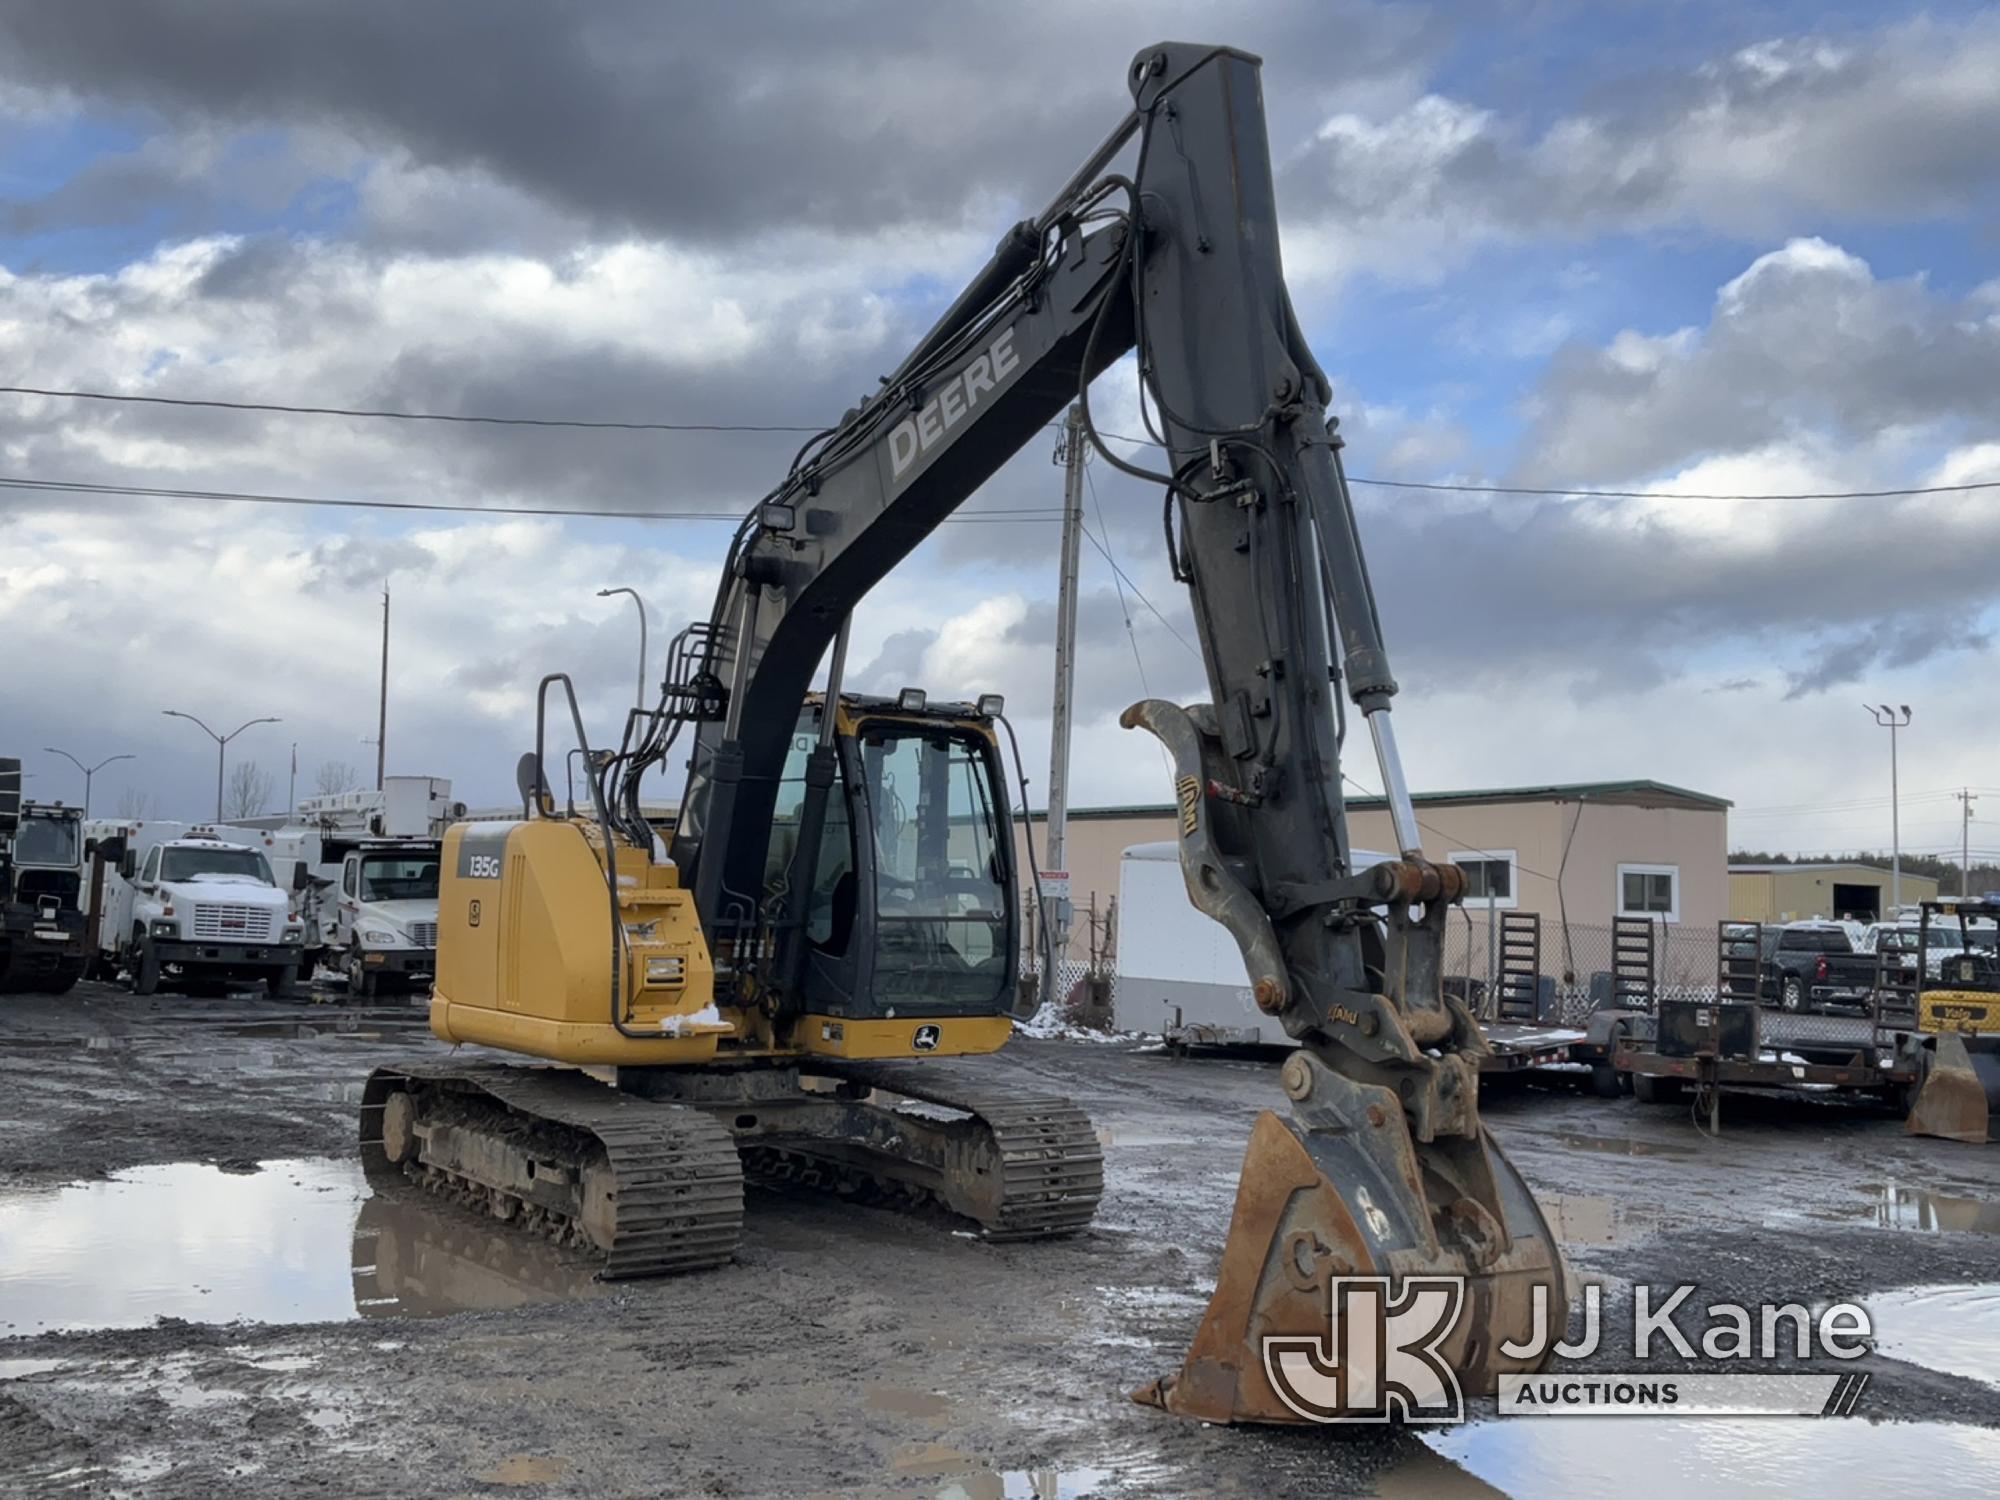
(1958, 1017)
(793, 979)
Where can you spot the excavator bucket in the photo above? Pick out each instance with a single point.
(1317, 1207)
(1952, 1104)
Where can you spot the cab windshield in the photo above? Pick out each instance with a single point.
(185, 864)
(944, 933)
(43, 840)
(396, 878)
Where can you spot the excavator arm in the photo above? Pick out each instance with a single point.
(1382, 1166)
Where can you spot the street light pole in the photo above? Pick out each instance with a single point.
(1893, 719)
(88, 771)
(640, 699)
(221, 745)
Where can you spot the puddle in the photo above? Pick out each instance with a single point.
(1585, 1219)
(291, 1242)
(524, 1468)
(1954, 1329)
(1893, 1206)
(1610, 1145)
(1729, 1458)
(904, 1402)
(16, 1369)
(334, 1092)
(961, 1476)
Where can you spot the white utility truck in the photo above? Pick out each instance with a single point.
(365, 868)
(181, 908)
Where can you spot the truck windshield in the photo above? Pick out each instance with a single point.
(399, 878)
(185, 864)
(43, 840)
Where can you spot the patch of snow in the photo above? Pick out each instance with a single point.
(1047, 1024)
(696, 1023)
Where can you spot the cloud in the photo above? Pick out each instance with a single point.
(1807, 338)
(704, 123)
(1776, 136)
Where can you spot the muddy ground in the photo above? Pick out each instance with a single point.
(849, 1350)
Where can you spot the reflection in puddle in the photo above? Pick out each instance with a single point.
(1585, 1219)
(1953, 1329)
(1723, 1457)
(292, 1242)
(414, 1259)
(1622, 1146)
(961, 1476)
(1893, 1206)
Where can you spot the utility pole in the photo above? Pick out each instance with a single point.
(1056, 911)
(1965, 801)
(382, 706)
(1888, 718)
(292, 791)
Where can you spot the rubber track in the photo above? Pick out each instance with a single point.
(679, 1183)
(1051, 1161)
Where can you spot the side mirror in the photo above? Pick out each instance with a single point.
(128, 865)
(302, 876)
(89, 848)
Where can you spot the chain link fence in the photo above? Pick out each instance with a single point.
(1577, 964)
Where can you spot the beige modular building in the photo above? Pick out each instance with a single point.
(1794, 893)
(1581, 853)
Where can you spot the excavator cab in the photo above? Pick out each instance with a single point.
(910, 908)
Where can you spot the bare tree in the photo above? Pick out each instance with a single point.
(249, 791)
(135, 804)
(335, 776)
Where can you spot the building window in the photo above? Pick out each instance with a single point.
(1489, 877)
(1650, 891)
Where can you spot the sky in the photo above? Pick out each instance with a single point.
(1681, 250)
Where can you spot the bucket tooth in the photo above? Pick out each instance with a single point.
(1315, 1204)
(1952, 1103)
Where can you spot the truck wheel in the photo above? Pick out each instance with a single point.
(145, 970)
(1793, 995)
(361, 980)
(280, 984)
(1650, 1090)
(1605, 1082)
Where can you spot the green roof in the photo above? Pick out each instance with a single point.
(1624, 793)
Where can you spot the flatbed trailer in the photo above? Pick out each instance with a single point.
(1732, 1041)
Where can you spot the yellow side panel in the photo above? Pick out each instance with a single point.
(525, 950)
(1975, 1011)
(947, 1036)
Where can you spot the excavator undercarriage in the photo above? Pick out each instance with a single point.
(650, 1173)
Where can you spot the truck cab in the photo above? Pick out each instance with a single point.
(42, 945)
(385, 916)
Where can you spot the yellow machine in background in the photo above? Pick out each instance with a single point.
(1958, 1008)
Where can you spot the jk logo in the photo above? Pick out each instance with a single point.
(1380, 1359)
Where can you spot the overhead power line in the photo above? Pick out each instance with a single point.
(384, 414)
(585, 424)
(163, 492)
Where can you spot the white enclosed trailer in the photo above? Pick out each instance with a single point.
(1180, 973)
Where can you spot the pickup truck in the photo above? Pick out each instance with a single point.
(1808, 965)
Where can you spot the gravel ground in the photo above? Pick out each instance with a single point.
(854, 1351)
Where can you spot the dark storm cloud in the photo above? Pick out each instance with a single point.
(696, 122)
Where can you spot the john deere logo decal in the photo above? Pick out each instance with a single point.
(926, 1039)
